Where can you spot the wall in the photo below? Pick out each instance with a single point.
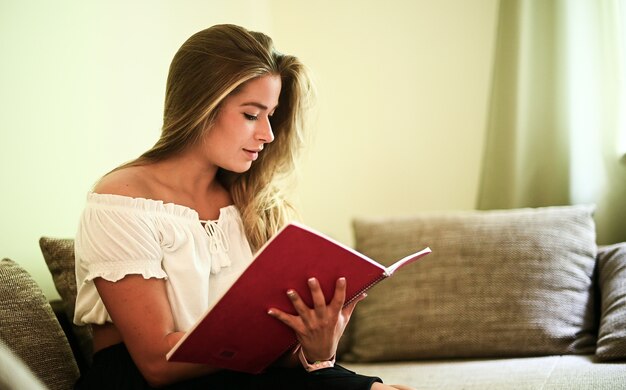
(402, 93)
(403, 89)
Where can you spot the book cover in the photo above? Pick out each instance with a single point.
(238, 334)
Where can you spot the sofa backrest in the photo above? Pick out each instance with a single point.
(498, 284)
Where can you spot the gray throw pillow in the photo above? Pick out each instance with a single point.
(612, 279)
(498, 284)
(59, 256)
(29, 327)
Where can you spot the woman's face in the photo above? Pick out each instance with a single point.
(242, 126)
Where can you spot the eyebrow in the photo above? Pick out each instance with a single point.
(258, 105)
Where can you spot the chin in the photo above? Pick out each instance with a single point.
(239, 169)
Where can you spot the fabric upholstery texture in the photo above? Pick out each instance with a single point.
(498, 284)
(29, 327)
(14, 374)
(59, 256)
(612, 281)
(567, 372)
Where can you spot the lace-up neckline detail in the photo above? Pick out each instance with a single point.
(218, 241)
(120, 235)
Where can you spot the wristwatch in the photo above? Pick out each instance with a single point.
(316, 365)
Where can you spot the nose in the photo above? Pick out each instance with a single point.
(264, 131)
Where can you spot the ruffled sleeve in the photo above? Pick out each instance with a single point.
(113, 242)
(120, 235)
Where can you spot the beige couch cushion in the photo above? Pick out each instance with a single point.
(30, 329)
(612, 279)
(566, 372)
(59, 256)
(498, 284)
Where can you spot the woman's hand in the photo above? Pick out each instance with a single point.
(318, 328)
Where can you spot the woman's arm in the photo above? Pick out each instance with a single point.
(141, 313)
(318, 329)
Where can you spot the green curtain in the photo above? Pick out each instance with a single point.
(557, 117)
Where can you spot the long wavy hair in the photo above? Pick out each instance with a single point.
(209, 66)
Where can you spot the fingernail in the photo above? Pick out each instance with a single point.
(311, 281)
(270, 312)
(291, 293)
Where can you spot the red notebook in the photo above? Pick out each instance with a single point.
(238, 334)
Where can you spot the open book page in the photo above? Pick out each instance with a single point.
(407, 260)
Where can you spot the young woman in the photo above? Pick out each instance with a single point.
(162, 235)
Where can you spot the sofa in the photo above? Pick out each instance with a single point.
(509, 299)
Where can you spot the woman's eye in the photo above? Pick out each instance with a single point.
(250, 117)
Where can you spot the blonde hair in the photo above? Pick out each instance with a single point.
(209, 66)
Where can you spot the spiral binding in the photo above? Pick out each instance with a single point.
(364, 289)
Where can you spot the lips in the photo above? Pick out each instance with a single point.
(253, 154)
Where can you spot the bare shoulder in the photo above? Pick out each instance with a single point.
(136, 182)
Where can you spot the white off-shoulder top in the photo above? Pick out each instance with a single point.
(120, 235)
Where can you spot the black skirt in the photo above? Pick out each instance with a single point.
(113, 368)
